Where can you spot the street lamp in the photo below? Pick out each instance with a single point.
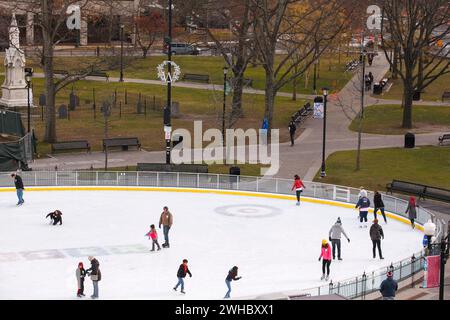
(121, 53)
(167, 109)
(28, 77)
(225, 71)
(325, 95)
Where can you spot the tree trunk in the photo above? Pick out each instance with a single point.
(407, 105)
(294, 87)
(144, 52)
(269, 101)
(238, 87)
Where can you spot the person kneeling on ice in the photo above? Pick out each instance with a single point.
(335, 237)
(298, 186)
(181, 274)
(363, 205)
(326, 255)
(80, 274)
(55, 217)
(152, 234)
(232, 275)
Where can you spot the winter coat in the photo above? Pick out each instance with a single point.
(363, 204)
(298, 184)
(326, 252)
(411, 211)
(95, 269)
(152, 234)
(232, 275)
(336, 231)
(166, 219)
(388, 287)
(376, 232)
(182, 271)
(292, 127)
(378, 201)
(80, 274)
(18, 182)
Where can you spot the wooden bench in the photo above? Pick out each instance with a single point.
(196, 77)
(419, 189)
(124, 143)
(443, 138)
(303, 113)
(445, 95)
(99, 74)
(71, 145)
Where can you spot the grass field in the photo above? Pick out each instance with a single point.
(331, 73)
(428, 165)
(387, 119)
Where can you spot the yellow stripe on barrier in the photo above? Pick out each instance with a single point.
(213, 191)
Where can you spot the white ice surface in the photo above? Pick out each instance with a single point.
(274, 252)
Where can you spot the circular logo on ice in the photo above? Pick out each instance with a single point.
(248, 211)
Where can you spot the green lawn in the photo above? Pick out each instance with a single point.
(387, 119)
(427, 165)
(331, 73)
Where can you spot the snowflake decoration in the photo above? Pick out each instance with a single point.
(175, 76)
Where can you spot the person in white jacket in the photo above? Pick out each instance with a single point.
(335, 237)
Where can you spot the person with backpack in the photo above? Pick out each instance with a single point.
(411, 210)
(335, 237)
(181, 274)
(232, 275)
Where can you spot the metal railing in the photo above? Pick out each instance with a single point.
(352, 288)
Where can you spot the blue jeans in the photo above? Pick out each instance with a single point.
(166, 234)
(95, 283)
(229, 288)
(180, 281)
(20, 195)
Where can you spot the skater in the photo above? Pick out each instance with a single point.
(335, 237)
(299, 186)
(363, 206)
(326, 255)
(166, 220)
(232, 275)
(362, 192)
(181, 274)
(19, 187)
(411, 210)
(55, 217)
(376, 234)
(95, 274)
(378, 205)
(292, 127)
(152, 234)
(388, 287)
(80, 274)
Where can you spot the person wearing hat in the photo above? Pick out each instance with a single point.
(325, 253)
(18, 183)
(388, 287)
(95, 274)
(335, 237)
(80, 274)
(363, 206)
(376, 234)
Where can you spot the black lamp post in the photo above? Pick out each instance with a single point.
(121, 53)
(225, 71)
(28, 77)
(167, 109)
(325, 95)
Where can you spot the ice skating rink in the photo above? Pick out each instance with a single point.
(274, 243)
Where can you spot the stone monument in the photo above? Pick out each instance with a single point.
(14, 88)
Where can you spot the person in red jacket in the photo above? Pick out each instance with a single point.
(152, 234)
(298, 186)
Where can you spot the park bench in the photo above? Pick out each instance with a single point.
(196, 77)
(162, 167)
(302, 113)
(62, 72)
(124, 143)
(443, 138)
(71, 145)
(99, 74)
(445, 95)
(419, 189)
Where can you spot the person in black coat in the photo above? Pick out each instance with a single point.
(232, 275)
(55, 217)
(181, 274)
(388, 287)
(292, 128)
(19, 187)
(378, 205)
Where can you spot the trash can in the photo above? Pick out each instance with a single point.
(234, 172)
(377, 88)
(410, 140)
(416, 96)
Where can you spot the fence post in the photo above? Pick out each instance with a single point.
(178, 179)
(237, 182)
(157, 179)
(363, 285)
(96, 178)
(276, 185)
(217, 181)
(314, 188)
(35, 178)
(413, 259)
(330, 289)
(356, 289)
(257, 184)
(198, 180)
(56, 178)
(76, 178)
(334, 192)
(137, 178)
(117, 178)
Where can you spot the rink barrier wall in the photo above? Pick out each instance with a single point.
(391, 215)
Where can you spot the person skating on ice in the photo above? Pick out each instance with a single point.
(181, 274)
(411, 210)
(55, 217)
(152, 234)
(363, 206)
(298, 186)
(232, 275)
(325, 254)
(166, 220)
(80, 274)
(18, 183)
(95, 274)
(376, 234)
(378, 205)
(335, 237)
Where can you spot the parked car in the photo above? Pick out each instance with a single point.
(183, 48)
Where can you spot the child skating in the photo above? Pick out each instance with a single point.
(325, 254)
(152, 234)
(181, 274)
